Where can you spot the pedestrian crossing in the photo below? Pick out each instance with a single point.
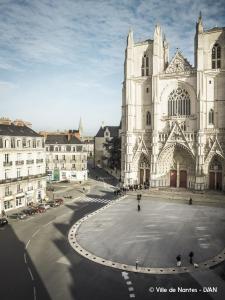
(96, 200)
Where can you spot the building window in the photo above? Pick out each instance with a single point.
(18, 173)
(216, 57)
(145, 66)
(211, 117)
(147, 90)
(6, 143)
(148, 118)
(6, 158)
(7, 174)
(18, 143)
(57, 157)
(179, 103)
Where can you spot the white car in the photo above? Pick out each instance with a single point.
(45, 205)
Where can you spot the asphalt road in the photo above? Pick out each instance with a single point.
(37, 262)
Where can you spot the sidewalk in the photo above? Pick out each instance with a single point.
(182, 195)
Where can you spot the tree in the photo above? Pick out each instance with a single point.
(113, 148)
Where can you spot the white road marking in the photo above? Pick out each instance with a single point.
(27, 244)
(128, 282)
(35, 294)
(64, 260)
(132, 295)
(25, 258)
(36, 232)
(47, 223)
(31, 275)
(125, 275)
(130, 289)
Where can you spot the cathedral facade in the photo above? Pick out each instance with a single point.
(173, 114)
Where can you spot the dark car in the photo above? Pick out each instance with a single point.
(3, 222)
(59, 201)
(29, 211)
(21, 215)
(53, 203)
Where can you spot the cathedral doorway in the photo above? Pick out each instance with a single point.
(144, 170)
(178, 165)
(183, 179)
(215, 174)
(173, 178)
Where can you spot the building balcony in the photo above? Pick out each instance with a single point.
(39, 161)
(19, 162)
(9, 180)
(7, 163)
(30, 188)
(19, 191)
(30, 161)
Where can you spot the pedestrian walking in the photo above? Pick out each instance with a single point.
(136, 263)
(190, 201)
(178, 258)
(191, 255)
(139, 207)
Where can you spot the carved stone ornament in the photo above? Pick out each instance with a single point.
(179, 64)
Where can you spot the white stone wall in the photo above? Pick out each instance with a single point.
(72, 165)
(22, 172)
(206, 88)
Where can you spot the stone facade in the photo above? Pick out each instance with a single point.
(100, 154)
(173, 114)
(22, 160)
(66, 157)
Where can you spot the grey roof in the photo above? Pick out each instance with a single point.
(215, 29)
(114, 131)
(61, 139)
(15, 130)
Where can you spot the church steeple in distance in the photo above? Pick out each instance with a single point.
(81, 127)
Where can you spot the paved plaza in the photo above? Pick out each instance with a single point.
(155, 235)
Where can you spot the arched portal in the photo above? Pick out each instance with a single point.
(144, 170)
(215, 174)
(177, 163)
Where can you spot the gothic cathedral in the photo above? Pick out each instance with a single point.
(173, 114)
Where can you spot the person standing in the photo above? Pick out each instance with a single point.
(178, 258)
(191, 255)
(139, 207)
(190, 201)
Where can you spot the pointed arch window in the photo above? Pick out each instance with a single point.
(216, 57)
(179, 103)
(145, 66)
(211, 117)
(148, 118)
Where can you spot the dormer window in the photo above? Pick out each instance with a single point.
(145, 66)
(216, 57)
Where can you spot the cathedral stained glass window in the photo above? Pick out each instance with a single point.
(179, 103)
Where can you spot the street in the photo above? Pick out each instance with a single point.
(37, 261)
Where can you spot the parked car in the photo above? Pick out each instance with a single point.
(3, 222)
(29, 211)
(59, 200)
(44, 205)
(50, 188)
(53, 203)
(21, 215)
(41, 209)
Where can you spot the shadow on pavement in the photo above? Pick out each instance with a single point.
(16, 281)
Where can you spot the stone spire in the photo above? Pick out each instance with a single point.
(80, 127)
(199, 24)
(130, 39)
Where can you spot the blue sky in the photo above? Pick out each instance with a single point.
(62, 60)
